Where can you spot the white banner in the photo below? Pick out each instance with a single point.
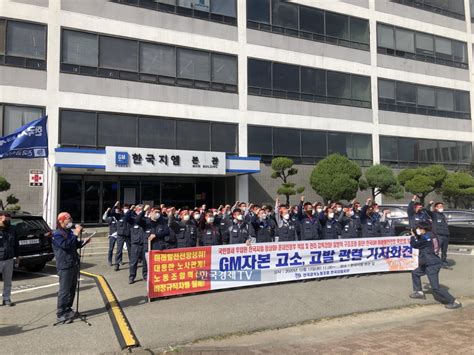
(164, 161)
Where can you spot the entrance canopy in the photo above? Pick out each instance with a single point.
(147, 161)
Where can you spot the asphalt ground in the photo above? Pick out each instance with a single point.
(175, 323)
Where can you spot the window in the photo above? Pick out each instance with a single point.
(224, 7)
(337, 25)
(157, 59)
(201, 5)
(339, 143)
(286, 77)
(360, 88)
(359, 30)
(118, 53)
(157, 133)
(408, 149)
(465, 149)
(311, 20)
(461, 102)
(78, 128)
(314, 144)
(405, 40)
(388, 149)
(451, 8)
(80, 48)
(338, 85)
(286, 142)
(459, 51)
(443, 48)
(313, 81)
(426, 96)
(155, 63)
(2, 35)
(361, 147)
(406, 93)
(385, 36)
(16, 116)
(387, 90)
(117, 130)
(193, 65)
(259, 73)
(26, 40)
(284, 14)
(424, 44)
(224, 137)
(445, 100)
(193, 135)
(258, 11)
(224, 69)
(260, 140)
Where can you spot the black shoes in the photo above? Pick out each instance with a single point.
(454, 305)
(116, 268)
(418, 294)
(8, 303)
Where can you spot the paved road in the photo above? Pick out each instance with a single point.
(173, 322)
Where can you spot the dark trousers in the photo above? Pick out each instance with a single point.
(443, 246)
(137, 251)
(67, 290)
(121, 240)
(112, 241)
(432, 271)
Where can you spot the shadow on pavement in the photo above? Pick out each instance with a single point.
(50, 295)
(16, 329)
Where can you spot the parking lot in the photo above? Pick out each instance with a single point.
(168, 323)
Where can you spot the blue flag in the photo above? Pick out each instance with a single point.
(27, 142)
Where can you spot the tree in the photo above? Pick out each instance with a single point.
(336, 178)
(381, 180)
(422, 181)
(11, 200)
(283, 169)
(458, 188)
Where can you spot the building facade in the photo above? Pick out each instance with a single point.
(186, 102)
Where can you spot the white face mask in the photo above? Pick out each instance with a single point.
(286, 216)
(377, 210)
(418, 231)
(263, 216)
(339, 209)
(239, 217)
(186, 218)
(69, 225)
(319, 210)
(117, 211)
(125, 210)
(389, 215)
(210, 220)
(155, 216)
(351, 213)
(197, 216)
(330, 215)
(440, 210)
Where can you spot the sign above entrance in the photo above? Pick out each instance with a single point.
(164, 161)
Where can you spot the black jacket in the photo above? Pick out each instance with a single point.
(426, 255)
(8, 243)
(65, 245)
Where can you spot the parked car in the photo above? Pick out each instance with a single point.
(35, 241)
(460, 222)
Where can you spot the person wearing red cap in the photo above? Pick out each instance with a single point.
(65, 245)
(8, 251)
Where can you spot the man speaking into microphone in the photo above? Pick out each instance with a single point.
(65, 245)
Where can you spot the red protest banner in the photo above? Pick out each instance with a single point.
(175, 272)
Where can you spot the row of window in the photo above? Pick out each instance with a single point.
(130, 59)
(400, 42)
(296, 82)
(308, 145)
(451, 8)
(224, 11)
(98, 130)
(22, 44)
(12, 117)
(421, 99)
(287, 18)
(400, 150)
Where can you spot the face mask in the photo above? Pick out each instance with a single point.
(210, 220)
(117, 211)
(389, 215)
(125, 210)
(239, 217)
(69, 225)
(351, 213)
(440, 210)
(330, 215)
(418, 231)
(215, 213)
(263, 216)
(197, 216)
(309, 210)
(319, 210)
(286, 216)
(227, 212)
(339, 209)
(155, 217)
(376, 211)
(359, 209)
(186, 218)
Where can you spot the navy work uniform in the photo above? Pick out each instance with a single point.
(441, 229)
(9, 249)
(416, 218)
(286, 230)
(264, 229)
(124, 223)
(429, 264)
(65, 245)
(209, 235)
(240, 232)
(310, 227)
(223, 223)
(137, 236)
(387, 227)
(185, 233)
(111, 219)
(349, 226)
(331, 229)
(370, 224)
